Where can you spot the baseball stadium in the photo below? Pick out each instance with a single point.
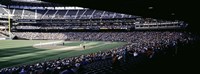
(43, 37)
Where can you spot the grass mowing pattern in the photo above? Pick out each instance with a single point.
(73, 44)
(18, 52)
(22, 50)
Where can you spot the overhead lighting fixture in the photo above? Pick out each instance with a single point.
(150, 7)
(34, 1)
(172, 13)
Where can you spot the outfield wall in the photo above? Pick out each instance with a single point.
(2, 38)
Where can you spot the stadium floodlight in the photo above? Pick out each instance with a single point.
(74, 7)
(172, 13)
(2, 5)
(150, 7)
(33, 1)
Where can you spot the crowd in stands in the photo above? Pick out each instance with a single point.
(148, 43)
(136, 37)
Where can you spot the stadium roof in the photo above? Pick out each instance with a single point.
(33, 1)
(160, 9)
(165, 9)
(28, 3)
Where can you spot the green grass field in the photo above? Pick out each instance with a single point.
(20, 52)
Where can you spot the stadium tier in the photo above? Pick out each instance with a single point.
(84, 18)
